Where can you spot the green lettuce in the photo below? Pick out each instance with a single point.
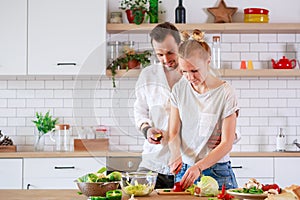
(209, 186)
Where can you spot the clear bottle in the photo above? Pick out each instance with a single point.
(153, 7)
(216, 53)
(280, 140)
(180, 13)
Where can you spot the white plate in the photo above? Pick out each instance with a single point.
(246, 195)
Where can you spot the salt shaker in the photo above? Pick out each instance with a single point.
(280, 140)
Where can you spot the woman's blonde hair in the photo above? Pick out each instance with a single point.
(188, 48)
(194, 43)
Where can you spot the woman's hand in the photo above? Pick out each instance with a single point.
(190, 176)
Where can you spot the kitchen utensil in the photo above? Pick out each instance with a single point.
(256, 15)
(246, 195)
(243, 64)
(61, 137)
(250, 65)
(256, 11)
(170, 192)
(96, 189)
(256, 18)
(138, 183)
(284, 63)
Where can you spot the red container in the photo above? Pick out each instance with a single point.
(256, 11)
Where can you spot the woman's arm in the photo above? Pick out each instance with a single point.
(174, 140)
(227, 138)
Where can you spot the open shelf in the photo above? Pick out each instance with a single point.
(214, 27)
(226, 73)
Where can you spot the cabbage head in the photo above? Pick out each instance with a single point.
(209, 186)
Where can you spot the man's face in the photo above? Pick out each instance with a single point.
(166, 52)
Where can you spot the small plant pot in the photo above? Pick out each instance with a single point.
(135, 16)
(132, 64)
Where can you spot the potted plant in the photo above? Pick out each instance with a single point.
(129, 60)
(44, 125)
(137, 9)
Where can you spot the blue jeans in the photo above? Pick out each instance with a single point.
(222, 172)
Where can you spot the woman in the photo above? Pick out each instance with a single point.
(203, 106)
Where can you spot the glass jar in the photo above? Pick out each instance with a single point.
(128, 45)
(113, 50)
(116, 18)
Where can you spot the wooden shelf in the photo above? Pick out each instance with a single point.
(226, 73)
(213, 27)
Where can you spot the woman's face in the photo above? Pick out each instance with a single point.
(166, 52)
(194, 69)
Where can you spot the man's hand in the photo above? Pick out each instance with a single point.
(214, 141)
(154, 135)
(176, 165)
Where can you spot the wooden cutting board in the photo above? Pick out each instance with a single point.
(170, 192)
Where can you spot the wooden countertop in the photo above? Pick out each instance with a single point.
(72, 195)
(128, 154)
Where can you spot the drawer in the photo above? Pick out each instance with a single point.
(11, 173)
(61, 167)
(252, 167)
(49, 183)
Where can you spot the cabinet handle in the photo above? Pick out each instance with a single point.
(70, 167)
(28, 185)
(237, 167)
(62, 64)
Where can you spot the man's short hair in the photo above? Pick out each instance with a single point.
(160, 32)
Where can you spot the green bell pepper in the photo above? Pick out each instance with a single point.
(114, 195)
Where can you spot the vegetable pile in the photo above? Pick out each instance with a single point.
(254, 187)
(138, 189)
(100, 176)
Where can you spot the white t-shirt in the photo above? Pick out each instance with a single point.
(201, 116)
(152, 105)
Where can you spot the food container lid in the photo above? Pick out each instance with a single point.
(256, 11)
(62, 126)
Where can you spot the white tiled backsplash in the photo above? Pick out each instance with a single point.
(267, 103)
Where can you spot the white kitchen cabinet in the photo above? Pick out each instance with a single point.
(13, 37)
(287, 171)
(260, 168)
(11, 173)
(58, 173)
(66, 37)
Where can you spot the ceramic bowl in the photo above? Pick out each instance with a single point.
(96, 189)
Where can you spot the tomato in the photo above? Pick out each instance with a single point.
(177, 187)
(197, 191)
(271, 186)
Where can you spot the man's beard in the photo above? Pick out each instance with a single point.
(171, 68)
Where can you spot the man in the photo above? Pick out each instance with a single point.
(151, 109)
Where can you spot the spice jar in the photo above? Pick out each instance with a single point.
(116, 18)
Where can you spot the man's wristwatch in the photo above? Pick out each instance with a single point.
(145, 130)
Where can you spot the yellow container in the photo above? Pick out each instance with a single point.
(256, 18)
